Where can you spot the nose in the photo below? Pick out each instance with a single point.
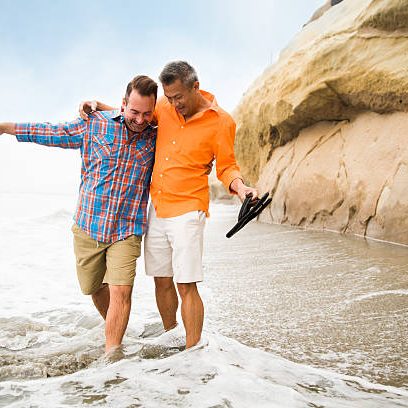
(139, 119)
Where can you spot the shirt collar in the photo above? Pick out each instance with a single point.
(116, 115)
(210, 97)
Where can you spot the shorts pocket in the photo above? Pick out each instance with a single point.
(193, 217)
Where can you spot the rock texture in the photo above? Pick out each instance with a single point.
(344, 81)
(345, 176)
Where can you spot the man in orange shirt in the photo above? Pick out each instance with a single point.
(192, 131)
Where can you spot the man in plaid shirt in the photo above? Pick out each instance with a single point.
(117, 150)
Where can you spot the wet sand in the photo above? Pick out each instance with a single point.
(318, 298)
(324, 315)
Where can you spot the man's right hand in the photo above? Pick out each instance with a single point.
(8, 127)
(86, 108)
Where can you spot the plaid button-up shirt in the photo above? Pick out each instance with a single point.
(115, 174)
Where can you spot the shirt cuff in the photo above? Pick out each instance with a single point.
(23, 132)
(227, 179)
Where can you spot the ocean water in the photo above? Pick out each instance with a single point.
(293, 319)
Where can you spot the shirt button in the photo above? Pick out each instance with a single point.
(174, 142)
(159, 191)
(182, 127)
(167, 158)
(161, 175)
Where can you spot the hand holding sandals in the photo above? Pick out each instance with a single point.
(250, 209)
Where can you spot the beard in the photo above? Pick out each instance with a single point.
(135, 127)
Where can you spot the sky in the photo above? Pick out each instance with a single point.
(54, 54)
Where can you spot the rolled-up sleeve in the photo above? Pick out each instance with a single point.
(226, 165)
(68, 135)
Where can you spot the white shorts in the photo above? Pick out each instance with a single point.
(174, 246)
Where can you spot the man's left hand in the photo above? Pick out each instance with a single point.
(242, 190)
(245, 190)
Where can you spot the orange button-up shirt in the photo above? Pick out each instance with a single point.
(184, 155)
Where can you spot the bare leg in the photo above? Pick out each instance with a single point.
(101, 300)
(167, 301)
(118, 314)
(192, 312)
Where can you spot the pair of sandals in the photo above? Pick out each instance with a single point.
(249, 210)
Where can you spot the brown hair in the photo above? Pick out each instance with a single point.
(144, 85)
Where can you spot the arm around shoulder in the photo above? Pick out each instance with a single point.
(87, 107)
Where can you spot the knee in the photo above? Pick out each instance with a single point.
(186, 289)
(120, 293)
(164, 284)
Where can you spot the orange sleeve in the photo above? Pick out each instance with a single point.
(159, 106)
(226, 165)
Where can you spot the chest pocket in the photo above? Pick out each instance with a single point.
(102, 156)
(143, 152)
(101, 147)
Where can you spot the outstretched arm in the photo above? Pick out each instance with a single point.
(67, 135)
(87, 107)
(8, 127)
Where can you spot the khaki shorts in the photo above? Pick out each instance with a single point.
(98, 262)
(174, 246)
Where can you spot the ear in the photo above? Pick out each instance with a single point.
(196, 86)
(123, 103)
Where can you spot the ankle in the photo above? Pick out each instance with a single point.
(109, 348)
(171, 327)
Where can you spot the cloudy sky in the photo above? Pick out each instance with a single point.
(55, 53)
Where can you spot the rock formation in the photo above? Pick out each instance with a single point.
(325, 128)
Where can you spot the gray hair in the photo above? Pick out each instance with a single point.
(178, 70)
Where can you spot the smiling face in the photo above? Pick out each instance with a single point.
(138, 111)
(183, 98)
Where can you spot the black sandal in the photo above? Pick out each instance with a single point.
(249, 210)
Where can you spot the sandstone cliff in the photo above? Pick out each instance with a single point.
(325, 128)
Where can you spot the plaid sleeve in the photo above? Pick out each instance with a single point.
(68, 135)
